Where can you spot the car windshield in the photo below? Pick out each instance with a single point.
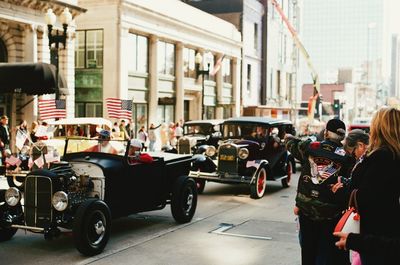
(116, 147)
(204, 129)
(244, 130)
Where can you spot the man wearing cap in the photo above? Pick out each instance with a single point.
(134, 154)
(4, 136)
(103, 145)
(316, 205)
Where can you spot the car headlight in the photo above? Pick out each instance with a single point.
(243, 153)
(12, 196)
(60, 201)
(210, 151)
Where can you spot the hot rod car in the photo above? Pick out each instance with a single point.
(86, 190)
(251, 152)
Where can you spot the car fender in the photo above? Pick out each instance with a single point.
(263, 164)
(203, 163)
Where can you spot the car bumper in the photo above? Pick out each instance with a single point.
(221, 177)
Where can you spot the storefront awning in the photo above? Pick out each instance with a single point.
(30, 78)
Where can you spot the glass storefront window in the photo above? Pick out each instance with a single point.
(139, 113)
(88, 109)
(80, 49)
(165, 113)
(210, 112)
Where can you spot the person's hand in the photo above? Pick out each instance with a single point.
(1, 144)
(296, 210)
(341, 244)
(337, 186)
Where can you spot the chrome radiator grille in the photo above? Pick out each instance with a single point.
(38, 209)
(227, 159)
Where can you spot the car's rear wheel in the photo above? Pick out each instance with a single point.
(91, 228)
(257, 189)
(201, 184)
(289, 172)
(5, 233)
(184, 199)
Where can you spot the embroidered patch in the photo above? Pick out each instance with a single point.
(322, 168)
(340, 151)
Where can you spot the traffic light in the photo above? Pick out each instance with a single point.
(336, 107)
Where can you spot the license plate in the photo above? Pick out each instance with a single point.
(227, 157)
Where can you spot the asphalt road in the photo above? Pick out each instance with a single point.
(228, 228)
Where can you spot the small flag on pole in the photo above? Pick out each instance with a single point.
(20, 139)
(119, 108)
(52, 108)
(12, 160)
(217, 66)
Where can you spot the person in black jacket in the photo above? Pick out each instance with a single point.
(322, 163)
(378, 194)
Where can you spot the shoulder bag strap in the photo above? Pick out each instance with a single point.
(353, 200)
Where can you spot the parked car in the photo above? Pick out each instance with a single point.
(86, 190)
(199, 135)
(251, 152)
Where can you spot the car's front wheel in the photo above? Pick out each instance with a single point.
(289, 172)
(257, 188)
(91, 229)
(184, 199)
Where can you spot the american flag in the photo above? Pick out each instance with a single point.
(325, 171)
(52, 108)
(119, 108)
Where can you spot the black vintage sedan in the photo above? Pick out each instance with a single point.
(198, 135)
(88, 189)
(250, 152)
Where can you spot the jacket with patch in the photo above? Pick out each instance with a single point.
(322, 163)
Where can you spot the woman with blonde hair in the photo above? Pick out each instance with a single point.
(378, 194)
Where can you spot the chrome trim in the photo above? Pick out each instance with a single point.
(28, 227)
(36, 192)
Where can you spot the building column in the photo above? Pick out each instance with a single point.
(67, 70)
(31, 55)
(123, 63)
(236, 86)
(153, 80)
(179, 89)
(219, 83)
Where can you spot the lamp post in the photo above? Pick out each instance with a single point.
(202, 72)
(56, 39)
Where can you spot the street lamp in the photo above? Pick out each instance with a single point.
(65, 19)
(202, 72)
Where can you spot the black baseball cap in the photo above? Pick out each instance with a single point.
(336, 126)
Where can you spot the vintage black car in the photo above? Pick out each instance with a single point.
(251, 152)
(199, 135)
(86, 190)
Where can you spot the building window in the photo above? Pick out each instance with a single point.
(227, 111)
(89, 49)
(255, 36)
(210, 68)
(189, 63)
(166, 58)
(227, 71)
(248, 78)
(89, 109)
(137, 53)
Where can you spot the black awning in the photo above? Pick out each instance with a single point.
(29, 78)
